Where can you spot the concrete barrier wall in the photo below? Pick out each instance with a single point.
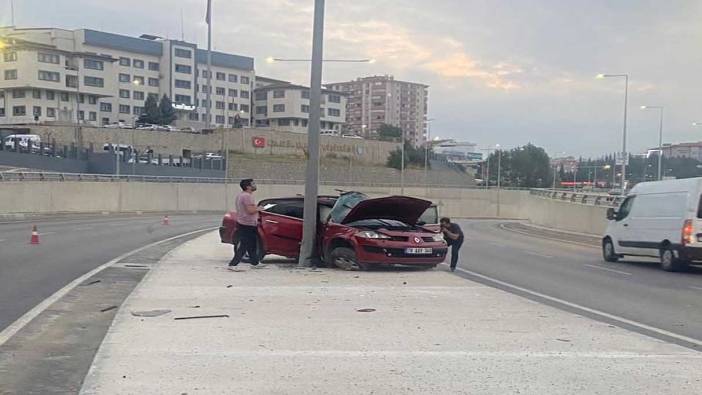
(569, 216)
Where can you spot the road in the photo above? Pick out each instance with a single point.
(70, 247)
(635, 290)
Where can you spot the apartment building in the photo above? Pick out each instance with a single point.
(284, 106)
(97, 78)
(373, 101)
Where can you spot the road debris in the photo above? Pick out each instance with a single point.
(91, 283)
(108, 309)
(150, 313)
(365, 310)
(202, 316)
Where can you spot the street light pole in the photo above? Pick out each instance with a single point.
(402, 165)
(660, 137)
(208, 93)
(499, 173)
(626, 98)
(426, 155)
(307, 248)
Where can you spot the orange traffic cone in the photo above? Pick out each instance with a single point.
(166, 220)
(35, 235)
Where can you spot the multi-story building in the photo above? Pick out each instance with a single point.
(378, 100)
(681, 150)
(97, 78)
(283, 106)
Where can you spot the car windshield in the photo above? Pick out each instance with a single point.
(344, 204)
(429, 216)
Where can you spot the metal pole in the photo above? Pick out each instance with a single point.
(499, 173)
(575, 178)
(309, 228)
(554, 177)
(402, 166)
(660, 146)
(209, 64)
(426, 159)
(624, 155)
(487, 172)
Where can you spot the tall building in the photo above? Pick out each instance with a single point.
(681, 150)
(378, 100)
(284, 106)
(97, 78)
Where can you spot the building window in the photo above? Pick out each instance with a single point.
(182, 99)
(10, 74)
(92, 116)
(183, 84)
(261, 110)
(279, 108)
(64, 96)
(10, 56)
(81, 98)
(48, 58)
(231, 120)
(124, 109)
(305, 108)
(204, 74)
(18, 93)
(334, 112)
(138, 95)
(233, 78)
(139, 64)
(19, 111)
(244, 94)
(219, 119)
(305, 94)
(136, 110)
(124, 61)
(277, 94)
(124, 94)
(334, 99)
(244, 80)
(92, 100)
(262, 95)
(36, 111)
(138, 80)
(221, 76)
(93, 64)
(154, 66)
(50, 95)
(81, 115)
(50, 112)
(203, 103)
(283, 122)
(220, 91)
(153, 82)
(193, 116)
(233, 93)
(106, 107)
(233, 107)
(154, 95)
(72, 81)
(219, 105)
(183, 53)
(181, 68)
(105, 121)
(125, 78)
(94, 81)
(36, 93)
(244, 108)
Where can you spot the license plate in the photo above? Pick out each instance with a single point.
(417, 251)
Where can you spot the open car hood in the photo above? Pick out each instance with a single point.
(400, 208)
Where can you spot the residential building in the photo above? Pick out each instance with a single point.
(681, 150)
(284, 106)
(378, 100)
(57, 75)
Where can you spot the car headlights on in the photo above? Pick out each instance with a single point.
(438, 237)
(369, 234)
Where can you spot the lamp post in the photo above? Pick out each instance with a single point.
(499, 174)
(626, 97)
(660, 137)
(426, 155)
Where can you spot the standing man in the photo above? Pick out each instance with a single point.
(247, 223)
(454, 237)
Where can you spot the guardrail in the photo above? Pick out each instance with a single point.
(594, 199)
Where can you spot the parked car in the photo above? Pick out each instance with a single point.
(660, 219)
(23, 142)
(118, 125)
(355, 231)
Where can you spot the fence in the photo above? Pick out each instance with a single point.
(593, 199)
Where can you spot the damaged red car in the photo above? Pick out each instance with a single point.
(354, 232)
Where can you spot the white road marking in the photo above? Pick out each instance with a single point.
(583, 308)
(84, 228)
(538, 254)
(46, 233)
(1, 240)
(691, 286)
(607, 269)
(21, 322)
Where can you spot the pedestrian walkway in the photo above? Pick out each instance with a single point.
(282, 330)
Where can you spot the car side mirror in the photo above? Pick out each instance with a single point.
(611, 214)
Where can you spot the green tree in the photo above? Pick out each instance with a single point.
(414, 157)
(389, 133)
(166, 111)
(526, 167)
(151, 112)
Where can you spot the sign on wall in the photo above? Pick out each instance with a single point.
(259, 142)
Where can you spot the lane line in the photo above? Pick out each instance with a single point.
(539, 255)
(501, 226)
(640, 325)
(607, 269)
(21, 322)
(46, 233)
(697, 288)
(83, 228)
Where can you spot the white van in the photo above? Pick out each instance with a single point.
(22, 141)
(660, 219)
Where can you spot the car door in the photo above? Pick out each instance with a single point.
(281, 227)
(623, 232)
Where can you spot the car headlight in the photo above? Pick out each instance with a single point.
(438, 237)
(369, 234)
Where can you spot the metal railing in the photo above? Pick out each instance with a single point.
(593, 199)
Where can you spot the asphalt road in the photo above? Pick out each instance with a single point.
(635, 290)
(71, 247)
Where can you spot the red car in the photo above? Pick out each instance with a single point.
(354, 231)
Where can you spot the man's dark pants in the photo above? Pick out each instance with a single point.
(247, 244)
(455, 246)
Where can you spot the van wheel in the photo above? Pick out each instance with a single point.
(345, 258)
(608, 251)
(669, 262)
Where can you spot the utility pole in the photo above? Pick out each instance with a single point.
(309, 229)
(208, 107)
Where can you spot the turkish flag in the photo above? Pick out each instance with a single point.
(259, 142)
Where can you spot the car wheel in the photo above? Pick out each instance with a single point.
(669, 262)
(345, 258)
(608, 253)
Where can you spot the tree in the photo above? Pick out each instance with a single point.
(166, 111)
(526, 167)
(414, 157)
(151, 112)
(389, 133)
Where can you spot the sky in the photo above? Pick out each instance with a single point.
(500, 71)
